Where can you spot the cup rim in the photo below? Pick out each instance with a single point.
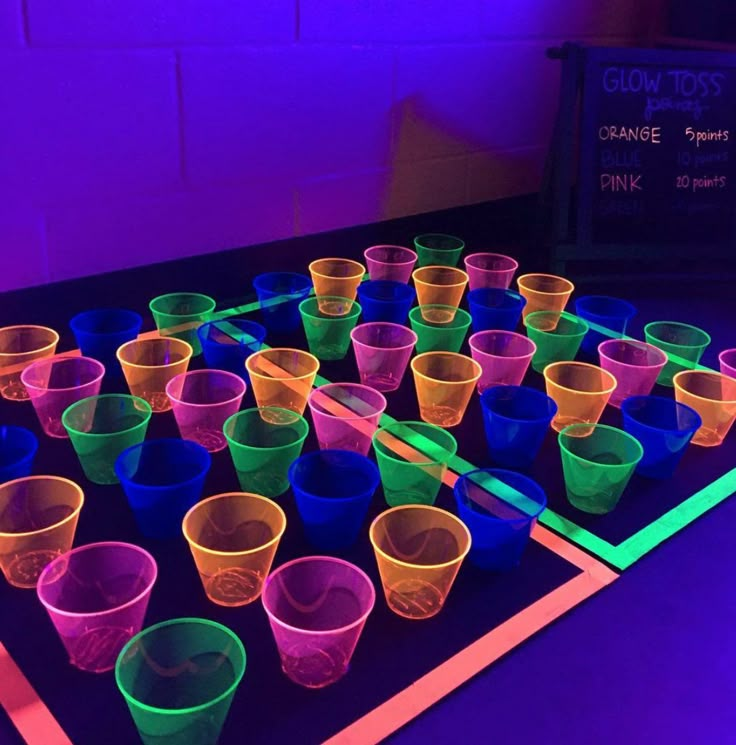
(525, 388)
(30, 439)
(314, 454)
(190, 444)
(678, 377)
(374, 324)
(188, 349)
(463, 281)
(421, 357)
(61, 358)
(357, 417)
(297, 418)
(627, 403)
(136, 320)
(584, 327)
(723, 352)
(49, 345)
(139, 402)
(391, 263)
(514, 263)
(371, 284)
(260, 337)
(567, 282)
(356, 264)
(679, 324)
(421, 236)
(355, 308)
(207, 370)
(301, 352)
(259, 279)
(414, 424)
(199, 295)
(584, 299)
(555, 365)
(596, 425)
(472, 343)
(637, 344)
(415, 316)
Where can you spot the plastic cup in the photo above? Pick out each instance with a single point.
(18, 447)
(516, 420)
(279, 295)
(263, 444)
(713, 396)
(634, 364)
(419, 550)
(727, 362)
(412, 458)
(544, 292)
(38, 519)
(681, 340)
(179, 678)
(556, 335)
(317, 607)
(202, 400)
(444, 382)
(54, 383)
(96, 596)
(149, 364)
(227, 344)
(385, 300)
(335, 277)
(346, 415)
(611, 313)
(19, 347)
(282, 377)
(101, 427)
(162, 479)
(99, 333)
(382, 352)
(233, 538)
(333, 490)
(439, 285)
(664, 428)
(180, 314)
(394, 263)
(500, 509)
(437, 249)
(503, 356)
(597, 463)
(490, 270)
(493, 308)
(328, 334)
(440, 335)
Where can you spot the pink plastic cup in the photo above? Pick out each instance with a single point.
(55, 383)
(346, 415)
(202, 400)
(727, 361)
(390, 262)
(490, 270)
(382, 352)
(634, 364)
(504, 357)
(317, 607)
(96, 596)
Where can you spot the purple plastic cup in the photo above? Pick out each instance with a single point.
(727, 361)
(394, 263)
(382, 352)
(346, 415)
(490, 270)
(504, 357)
(634, 364)
(96, 596)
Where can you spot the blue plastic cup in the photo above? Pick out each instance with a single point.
(516, 419)
(279, 294)
(494, 308)
(99, 333)
(500, 509)
(610, 312)
(385, 300)
(333, 490)
(162, 479)
(18, 447)
(226, 344)
(664, 427)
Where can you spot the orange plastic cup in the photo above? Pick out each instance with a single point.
(233, 538)
(444, 382)
(38, 519)
(713, 396)
(439, 285)
(544, 292)
(419, 550)
(149, 364)
(580, 390)
(339, 277)
(282, 377)
(19, 346)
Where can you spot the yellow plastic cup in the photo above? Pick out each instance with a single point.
(580, 390)
(38, 519)
(444, 382)
(439, 285)
(544, 292)
(19, 346)
(713, 396)
(419, 550)
(339, 277)
(149, 364)
(282, 377)
(233, 538)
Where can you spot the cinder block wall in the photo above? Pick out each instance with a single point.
(143, 130)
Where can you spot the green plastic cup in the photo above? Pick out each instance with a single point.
(101, 427)
(328, 334)
(179, 678)
(412, 458)
(438, 249)
(263, 444)
(557, 335)
(682, 343)
(180, 314)
(597, 463)
(439, 328)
